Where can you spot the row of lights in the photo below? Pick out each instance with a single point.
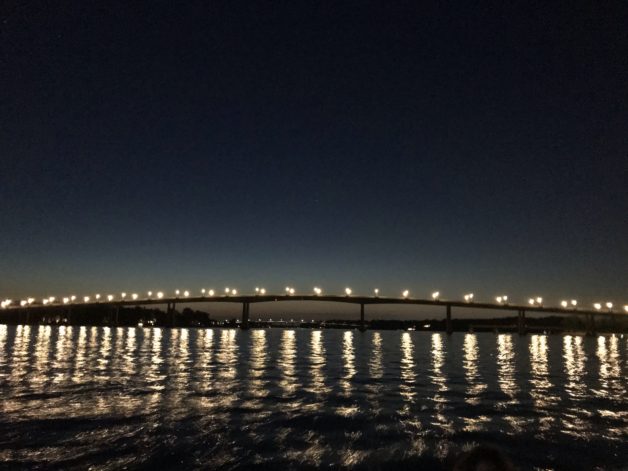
(503, 299)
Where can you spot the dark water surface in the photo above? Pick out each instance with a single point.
(74, 397)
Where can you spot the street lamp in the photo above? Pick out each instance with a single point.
(348, 291)
(435, 295)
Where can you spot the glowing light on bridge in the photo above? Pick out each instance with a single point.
(134, 296)
(405, 294)
(160, 295)
(227, 291)
(539, 301)
(176, 293)
(30, 300)
(609, 305)
(564, 304)
(123, 295)
(86, 299)
(150, 294)
(110, 297)
(626, 308)
(234, 291)
(376, 292)
(211, 292)
(51, 299)
(574, 303)
(97, 297)
(262, 291)
(468, 297)
(435, 295)
(186, 294)
(44, 301)
(72, 298)
(597, 306)
(66, 300)
(23, 303)
(348, 291)
(317, 291)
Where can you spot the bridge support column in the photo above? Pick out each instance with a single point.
(172, 313)
(449, 328)
(245, 316)
(362, 324)
(521, 322)
(590, 320)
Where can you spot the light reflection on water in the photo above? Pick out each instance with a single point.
(229, 398)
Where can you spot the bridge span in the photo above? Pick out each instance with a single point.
(360, 301)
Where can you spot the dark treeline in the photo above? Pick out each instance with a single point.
(125, 316)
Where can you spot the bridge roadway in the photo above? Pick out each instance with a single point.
(362, 301)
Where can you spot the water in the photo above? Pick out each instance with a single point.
(105, 397)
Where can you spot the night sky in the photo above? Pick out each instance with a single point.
(461, 147)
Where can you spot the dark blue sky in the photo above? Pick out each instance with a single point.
(393, 144)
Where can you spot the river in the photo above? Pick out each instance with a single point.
(107, 397)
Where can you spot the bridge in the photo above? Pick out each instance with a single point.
(170, 302)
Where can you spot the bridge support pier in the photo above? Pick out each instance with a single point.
(449, 328)
(362, 323)
(170, 311)
(590, 320)
(245, 316)
(521, 322)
